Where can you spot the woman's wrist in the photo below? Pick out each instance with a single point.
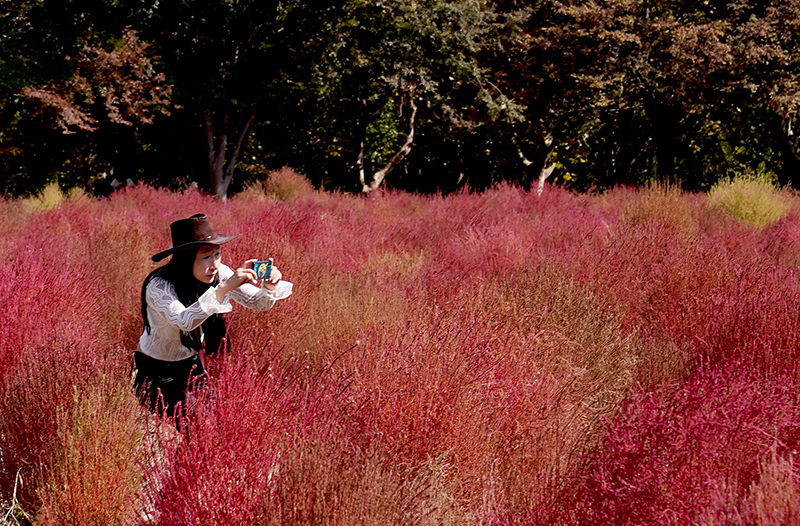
(222, 291)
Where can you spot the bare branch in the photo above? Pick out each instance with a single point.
(397, 158)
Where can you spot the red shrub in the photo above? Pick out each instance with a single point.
(275, 446)
(455, 360)
(670, 451)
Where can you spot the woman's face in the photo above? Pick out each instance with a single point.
(206, 263)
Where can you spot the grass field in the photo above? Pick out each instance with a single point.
(492, 358)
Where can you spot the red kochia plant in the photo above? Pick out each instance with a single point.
(668, 454)
(239, 436)
(275, 446)
(56, 368)
(93, 477)
(443, 360)
(33, 394)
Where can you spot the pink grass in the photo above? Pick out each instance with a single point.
(671, 452)
(493, 358)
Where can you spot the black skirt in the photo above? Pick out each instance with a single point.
(162, 385)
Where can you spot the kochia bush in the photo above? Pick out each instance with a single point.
(492, 358)
(753, 199)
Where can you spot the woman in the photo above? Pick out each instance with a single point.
(182, 303)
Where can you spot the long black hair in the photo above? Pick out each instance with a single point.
(179, 272)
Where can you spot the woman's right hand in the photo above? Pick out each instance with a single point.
(243, 274)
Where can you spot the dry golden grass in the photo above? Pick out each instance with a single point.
(664, 204)
(94, 477)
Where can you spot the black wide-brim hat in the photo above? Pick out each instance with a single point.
(193, 232)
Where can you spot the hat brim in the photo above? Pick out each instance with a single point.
(219, 240)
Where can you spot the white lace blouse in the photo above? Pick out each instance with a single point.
(168, 316)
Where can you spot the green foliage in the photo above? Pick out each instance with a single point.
(384, 136)
(49, 198)
(679, 90)
(382, 59)
(629, 91)
(70, 56)
(753, 199)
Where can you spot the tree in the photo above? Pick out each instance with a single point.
(418, 95)
(64, 53)
(124, 80)
(392, 61)
(233, 62)
(675, 89)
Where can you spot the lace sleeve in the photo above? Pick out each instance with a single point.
(162, 299)
(252, 297)
(259, 298)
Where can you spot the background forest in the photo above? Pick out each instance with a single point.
(428, 95)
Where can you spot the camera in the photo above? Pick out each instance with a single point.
(263, 269)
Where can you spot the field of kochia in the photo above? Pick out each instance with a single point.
(493, 358)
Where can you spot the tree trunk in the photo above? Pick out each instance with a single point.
(380, 175)
(368, 118)
(360, 165)
(543, 175)
(792, 139)
(547, 167)
(220, 165)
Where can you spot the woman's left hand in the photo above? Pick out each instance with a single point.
(274, 277)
